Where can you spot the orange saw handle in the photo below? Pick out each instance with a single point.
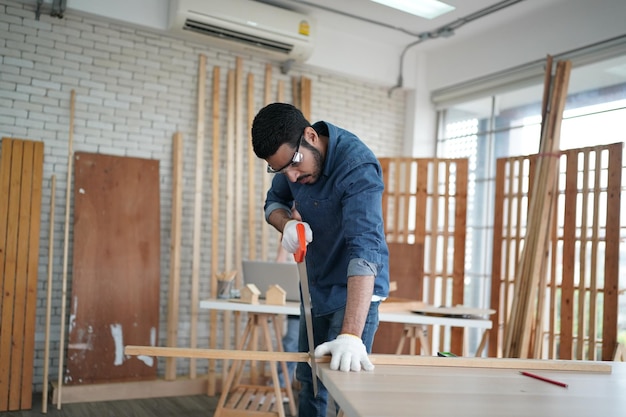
(301, 252)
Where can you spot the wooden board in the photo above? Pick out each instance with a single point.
(115, 282)
(21, 170)
(406, 267)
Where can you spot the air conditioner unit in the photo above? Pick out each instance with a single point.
(246, 25)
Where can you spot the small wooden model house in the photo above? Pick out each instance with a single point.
(276, 295)
(250, 294)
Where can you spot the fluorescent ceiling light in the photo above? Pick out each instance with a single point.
(428, 9)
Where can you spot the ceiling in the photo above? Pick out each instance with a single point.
(469, 17)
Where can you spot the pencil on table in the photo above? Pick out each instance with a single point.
(542, 378)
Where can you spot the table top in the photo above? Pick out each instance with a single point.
(293, 308)
(429, 391)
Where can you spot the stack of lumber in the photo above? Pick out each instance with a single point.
(527, 300)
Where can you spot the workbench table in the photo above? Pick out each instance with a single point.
(429, 391)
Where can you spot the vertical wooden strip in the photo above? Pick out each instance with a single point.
(569, 258)
(497, 284)
(197, 214)
(384, 163)
(9, 294)
(175, 238)
(215, 211)
(252, 198)
(68, 182)
(305, 97)
(6, 297)
(21, 261)
(295, 92)
(32, 260)
(421, 203)
(239, 168)
(265, 227)
(595, 241)
(442, 233)
(553, 278)
(581, 288)
(396, 200)
(611, 265)
(46, 354)
(460, 226)
(229, 198)
(408, 193)
(433, 182)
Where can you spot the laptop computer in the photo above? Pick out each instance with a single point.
(266, 273)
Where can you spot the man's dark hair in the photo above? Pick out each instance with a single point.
(275, 124)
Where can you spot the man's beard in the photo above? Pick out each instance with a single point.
(317, 165)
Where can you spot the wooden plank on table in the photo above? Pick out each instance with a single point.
(377, 359)
(116, 268)
(175, 238)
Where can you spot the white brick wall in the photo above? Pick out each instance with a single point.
(134, 89)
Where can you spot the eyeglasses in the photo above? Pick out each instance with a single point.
(295, 159)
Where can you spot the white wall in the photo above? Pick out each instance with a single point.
(564, 26)
(135, 88)
(365, 51)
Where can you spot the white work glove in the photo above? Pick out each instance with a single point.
(348, 353)
(290, 235)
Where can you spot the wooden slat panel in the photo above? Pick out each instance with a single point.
(20, 209)
(115, 285)
(424, 208)
(583, 273)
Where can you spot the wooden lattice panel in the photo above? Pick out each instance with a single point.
(425, 204)
(577, 306)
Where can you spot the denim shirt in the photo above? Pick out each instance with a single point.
(344, 209)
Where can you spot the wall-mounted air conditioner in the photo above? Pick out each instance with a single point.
(246, 25)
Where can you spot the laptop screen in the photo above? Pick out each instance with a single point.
(263, 274)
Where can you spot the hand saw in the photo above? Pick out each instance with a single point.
(306, 300)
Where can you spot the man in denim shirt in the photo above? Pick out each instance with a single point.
(335, 182)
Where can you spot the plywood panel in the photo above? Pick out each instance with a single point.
(115, 282)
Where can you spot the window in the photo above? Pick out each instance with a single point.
(507, 123)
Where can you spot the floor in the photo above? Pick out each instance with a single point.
(188, 406)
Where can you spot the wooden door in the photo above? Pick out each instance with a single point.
(115, 284)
